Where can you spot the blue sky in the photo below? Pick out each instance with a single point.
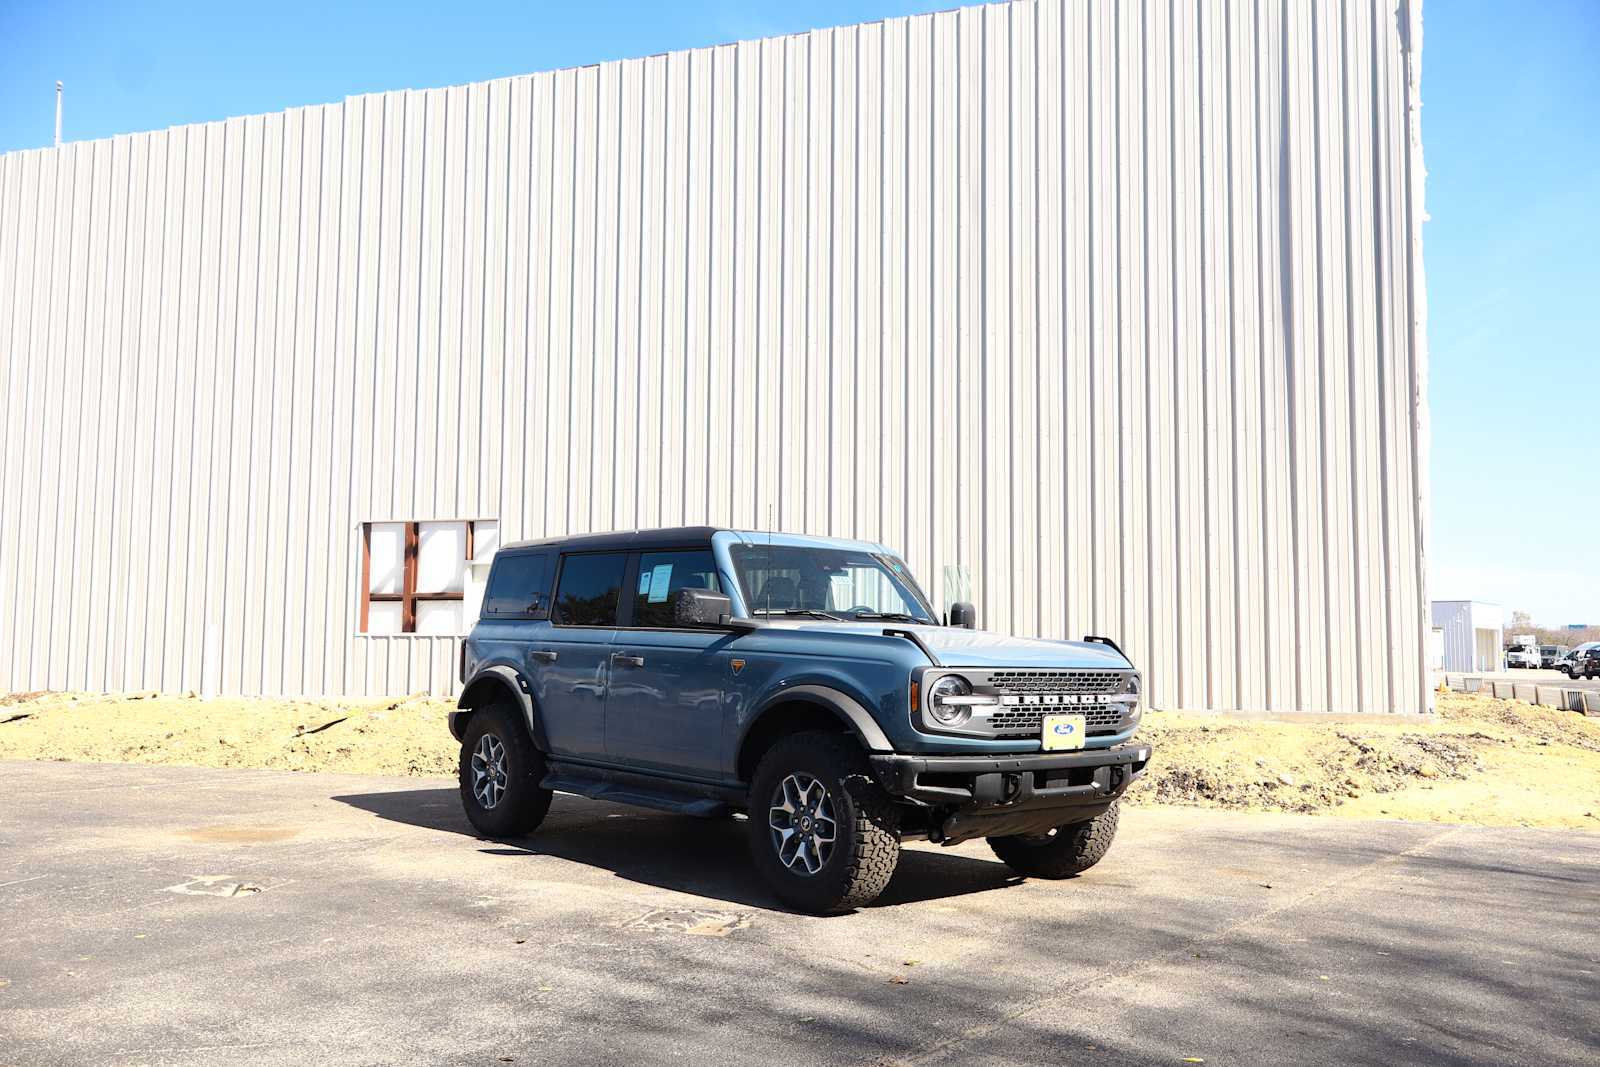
(1511, 128)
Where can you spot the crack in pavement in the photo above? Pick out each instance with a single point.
(1176, 955)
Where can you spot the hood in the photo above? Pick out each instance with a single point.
(958, 647)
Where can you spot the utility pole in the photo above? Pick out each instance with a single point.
(58, 114)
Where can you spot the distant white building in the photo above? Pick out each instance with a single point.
(1473, 634)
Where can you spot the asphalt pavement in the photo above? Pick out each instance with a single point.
(159, 915)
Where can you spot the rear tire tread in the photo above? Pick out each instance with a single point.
(525, 803)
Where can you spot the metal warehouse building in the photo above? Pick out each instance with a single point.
(1118, 306)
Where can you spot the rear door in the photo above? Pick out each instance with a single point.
(573, 652)
(665, 708)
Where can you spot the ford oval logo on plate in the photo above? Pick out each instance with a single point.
(1063, 732)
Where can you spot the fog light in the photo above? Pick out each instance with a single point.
(944, 713)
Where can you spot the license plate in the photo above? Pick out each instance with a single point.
(1063, 731)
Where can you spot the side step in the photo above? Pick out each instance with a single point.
(636, 790)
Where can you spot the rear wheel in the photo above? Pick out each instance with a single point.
(500, 772)
(822, 832)
(1061, 852)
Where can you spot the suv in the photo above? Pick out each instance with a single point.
(1571, 664)
(803, 681)
(1583, 662)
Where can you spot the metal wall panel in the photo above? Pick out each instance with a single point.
(1117, 304)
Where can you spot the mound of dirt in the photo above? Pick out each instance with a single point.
(1480, 760)
(1494, 762)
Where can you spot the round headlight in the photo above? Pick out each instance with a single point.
(944, 713)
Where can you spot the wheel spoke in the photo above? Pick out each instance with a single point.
(802, 823)
(488, 770)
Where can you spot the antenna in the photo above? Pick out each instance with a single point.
(58, 114)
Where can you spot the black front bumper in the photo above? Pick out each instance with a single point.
(992, 796)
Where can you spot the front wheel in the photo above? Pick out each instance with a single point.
(1061, 852)
(822, 832)
(500, 772)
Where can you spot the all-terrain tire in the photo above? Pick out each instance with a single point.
(520, 803)
(1064, 852)
(866, 822)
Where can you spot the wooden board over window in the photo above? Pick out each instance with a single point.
(414, 575)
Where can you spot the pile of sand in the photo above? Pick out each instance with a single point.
(407, 736)
(1480, 760)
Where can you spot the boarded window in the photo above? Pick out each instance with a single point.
(415, 574)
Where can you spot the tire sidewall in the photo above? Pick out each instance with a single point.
(844, 781)
(524, 803)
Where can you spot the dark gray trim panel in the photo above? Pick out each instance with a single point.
(866, 728)
(508, 679)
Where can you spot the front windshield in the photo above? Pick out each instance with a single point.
(828, 583)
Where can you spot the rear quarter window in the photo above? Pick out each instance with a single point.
(519, 586)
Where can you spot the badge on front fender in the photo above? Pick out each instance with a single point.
(1063, 732)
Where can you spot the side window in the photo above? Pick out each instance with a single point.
(519, 585)
(661, 575)
(591, 586)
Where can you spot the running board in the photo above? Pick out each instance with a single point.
(634, 790)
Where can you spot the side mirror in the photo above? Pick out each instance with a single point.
(705, 609)
(964, 615)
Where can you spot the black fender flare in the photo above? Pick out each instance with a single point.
(506, 680)
(846, 707)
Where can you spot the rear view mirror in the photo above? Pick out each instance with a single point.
(964, 615)
(705, 609)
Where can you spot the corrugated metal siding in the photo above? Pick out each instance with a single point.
(1116, 304)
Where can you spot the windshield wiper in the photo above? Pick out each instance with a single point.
(890, 616)
(811, 612)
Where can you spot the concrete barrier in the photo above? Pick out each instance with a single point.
(1572, 699)
(1591, 702)
(1472, 684)
(1527, 691)
(1503, 690)
(1551, 696)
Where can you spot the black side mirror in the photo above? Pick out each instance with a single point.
(964, 615)
(705, 609)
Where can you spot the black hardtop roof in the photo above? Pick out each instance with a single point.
(671, 537)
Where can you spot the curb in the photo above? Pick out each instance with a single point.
(1583, 701)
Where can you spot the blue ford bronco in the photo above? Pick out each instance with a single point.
(805, 682)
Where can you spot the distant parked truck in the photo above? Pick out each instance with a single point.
(1523, 655)
(1549, 655)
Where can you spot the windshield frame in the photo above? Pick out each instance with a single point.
(893, 568)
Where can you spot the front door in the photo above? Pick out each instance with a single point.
(664, 711)
(570, 659)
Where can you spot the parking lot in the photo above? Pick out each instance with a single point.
(185, 916)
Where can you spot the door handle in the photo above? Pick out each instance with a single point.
(544, 655)
(627, 661)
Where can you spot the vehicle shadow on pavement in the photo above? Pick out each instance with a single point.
(706, 857)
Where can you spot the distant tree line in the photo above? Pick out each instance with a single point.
(1522, 623)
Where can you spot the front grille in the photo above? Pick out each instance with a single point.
(1023, 724)
(1056, 681)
